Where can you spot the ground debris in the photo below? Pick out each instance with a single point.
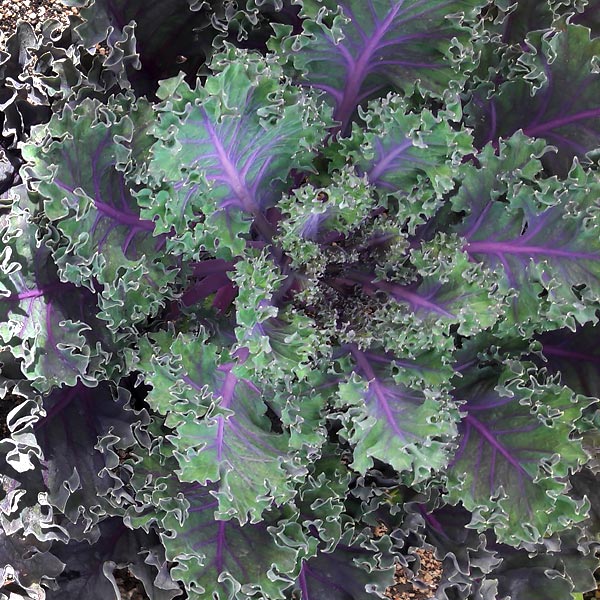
(129, 587)
(424, 586)
(34, 12)
(594, 595)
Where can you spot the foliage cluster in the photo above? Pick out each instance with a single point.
(290, 289)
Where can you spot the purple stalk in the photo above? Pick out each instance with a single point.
(219, 559)
(536, 130)
(384, 162)
(359, 69)
(302, 583)
(495, 444)
(500, 248)
(212, 267)
(130, 220)
(576, 356)
(31, 294)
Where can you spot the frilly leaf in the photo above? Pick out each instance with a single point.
(281, 345)
(555, 87)
(70, 431)
(87, 196)
(25, 563)
(418, 311)
(221, 433)
(210, 180)
(515, 451)
(53, 326)
(90, 566)
(398, 421)
(350, 572)
(214, 557)
(313, 215)
(407, 156)
(575, 355)
(23, 101)
(544, 244)
(353, 50)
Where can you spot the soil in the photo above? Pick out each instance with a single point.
(594, 595)
(33, 11)
(424, 586)
(6, 405)
(130, 587)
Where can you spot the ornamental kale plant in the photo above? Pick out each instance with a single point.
(291, 289)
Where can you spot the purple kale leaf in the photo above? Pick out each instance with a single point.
(91, 565)
(402, 419)
(357, 49)
(575, 355)
(78, 432)
(221, 433)
(213, 556)
(349, 572)
(562, 108)
(546, 252)
(51, 325)
(514, 451)
(88, 196)
(209, 179)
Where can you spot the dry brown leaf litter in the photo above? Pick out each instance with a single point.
(594, 595)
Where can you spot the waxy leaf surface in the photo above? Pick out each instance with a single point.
(91, 566)
(576, 356)
(221, 433)
(406, 426)
(211, 172)
(535, 246)
(87, 195)
(400, 153)
(350, 572)
(51, 325)
(513, 454)
(374, 45)
(218, 554)
(74, 421)
(564, 110)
